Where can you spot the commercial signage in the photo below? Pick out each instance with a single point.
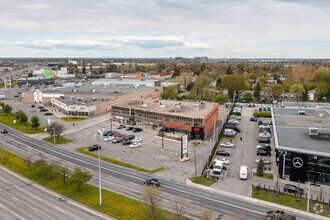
(184, 146)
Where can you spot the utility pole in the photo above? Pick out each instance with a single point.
(162, 137)
(195, 160)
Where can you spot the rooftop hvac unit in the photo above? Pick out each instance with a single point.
(177, 104)
(163, 104)
(301, 112)
(144, 103)
(94, 90)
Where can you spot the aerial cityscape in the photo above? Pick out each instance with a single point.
(165, 109)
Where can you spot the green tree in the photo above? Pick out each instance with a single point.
(321, 90)
(206, 213)
(64, 174)
(80, 177)
(298, 90)
(190, 86)
(83, 70)
(170, 92)
(100, 70)
(35, 122)
(247, 96)
(310, 86)
(218, 82)
(7, 109)
(229, 70)
(200, 83)
(21, 117)
(233, 82)
(257, 91)
(260, 167)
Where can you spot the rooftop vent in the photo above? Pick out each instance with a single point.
(163, 104)
(177, 104)
(301, 112)
(144, 103)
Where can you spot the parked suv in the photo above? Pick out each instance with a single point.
(121, 126)
(129, 137)
(126, 142)
(94, 147)
(117, 140)
(233, 127)
(137, 129)
(263, 152)
(264, 140)
(292, 189)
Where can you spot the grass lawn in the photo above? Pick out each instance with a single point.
(8, 119)
(110, 160)
(266, 176)
(202, 180)
(288, 200)
(62, 140)
(228, 138)
(115, 205)
(72, 119)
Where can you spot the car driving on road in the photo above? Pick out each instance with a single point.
(154, 182)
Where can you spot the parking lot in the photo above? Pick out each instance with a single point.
(243, 154)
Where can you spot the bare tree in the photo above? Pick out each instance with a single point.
(28, 161)
(298, 188)
(206, 213)
(321, 193)
(180, 207)
(55, 129)
(277, 183)
(152, 196)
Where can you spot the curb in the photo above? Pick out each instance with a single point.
(261, 202)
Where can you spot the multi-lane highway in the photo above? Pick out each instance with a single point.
(22, 200)
(133, 179)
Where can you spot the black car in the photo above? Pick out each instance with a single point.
(94, 147)
(32, 106)
(153, 182)
(292, 189)
(112, 133)
(129, 128)
(16, 96)
(260, 122)
(4, 131)
(222, 153)
(48, 113)
(264, 140)
(263, 152)
(126, 142)
(265, 147)
(117, 140)
(129, 137)
(235, 128)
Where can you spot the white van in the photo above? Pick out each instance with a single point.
(243, 174)
(217, 167)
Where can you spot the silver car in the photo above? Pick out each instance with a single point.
(227, 144)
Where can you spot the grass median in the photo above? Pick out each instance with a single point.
(72, 119)
(288, 200)
(8, 119)
(202, 180)
(110, 160)
(61, 140)
(115, 205)
(269, 176)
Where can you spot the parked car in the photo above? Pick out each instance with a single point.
(40, 107)
(129, 128)
(255, 119)
(121, 126)
(32, 106)
(135, 145)
(233, 127)
(4, 131)
(119, 135)
(43, 110)
(260, 122)
(277, 214)
(264, 147)
(137, 129)
(129, 137)
(261, 152)
(264, 135)
(94, 147)
(222, 153)
(229, 134)
(292, 189)
(154, 182)
(49, 113)
(264, 140)
(109, 138)
(101, 131)
(227, 144)
(117, 140)
(126, 142)
(266, 162)
(226, 161)
(113, 133)
(137, 140)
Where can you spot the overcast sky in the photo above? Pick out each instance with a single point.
(165, 28)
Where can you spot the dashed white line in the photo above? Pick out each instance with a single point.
(15, 214)
(37, 197)
(4, 179)
(18, 187)
(59, 209)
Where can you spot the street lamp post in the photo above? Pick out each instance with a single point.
(54, 134)
(308, 195)
(1, 146)
(111, 124)
(162, 137)
(98, 137)
(217, 132)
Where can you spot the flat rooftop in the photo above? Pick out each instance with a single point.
(106, 91)
(84, 101)
(292, 130)
(187, 109)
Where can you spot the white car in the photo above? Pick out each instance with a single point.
(101, 131)
(227, 144)
(109, 138)
(264, 135)
(226, 161)
(135, 145)
(137, 140)
(265, 161)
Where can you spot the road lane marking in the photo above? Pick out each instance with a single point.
(4, 179)
(18, 187)
(15, 214)
(59, 209)
(37, 197)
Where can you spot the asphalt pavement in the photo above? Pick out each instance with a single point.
(219, 203)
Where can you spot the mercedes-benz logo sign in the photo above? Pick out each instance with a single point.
(297, 162)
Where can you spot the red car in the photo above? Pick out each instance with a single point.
(119, 135)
